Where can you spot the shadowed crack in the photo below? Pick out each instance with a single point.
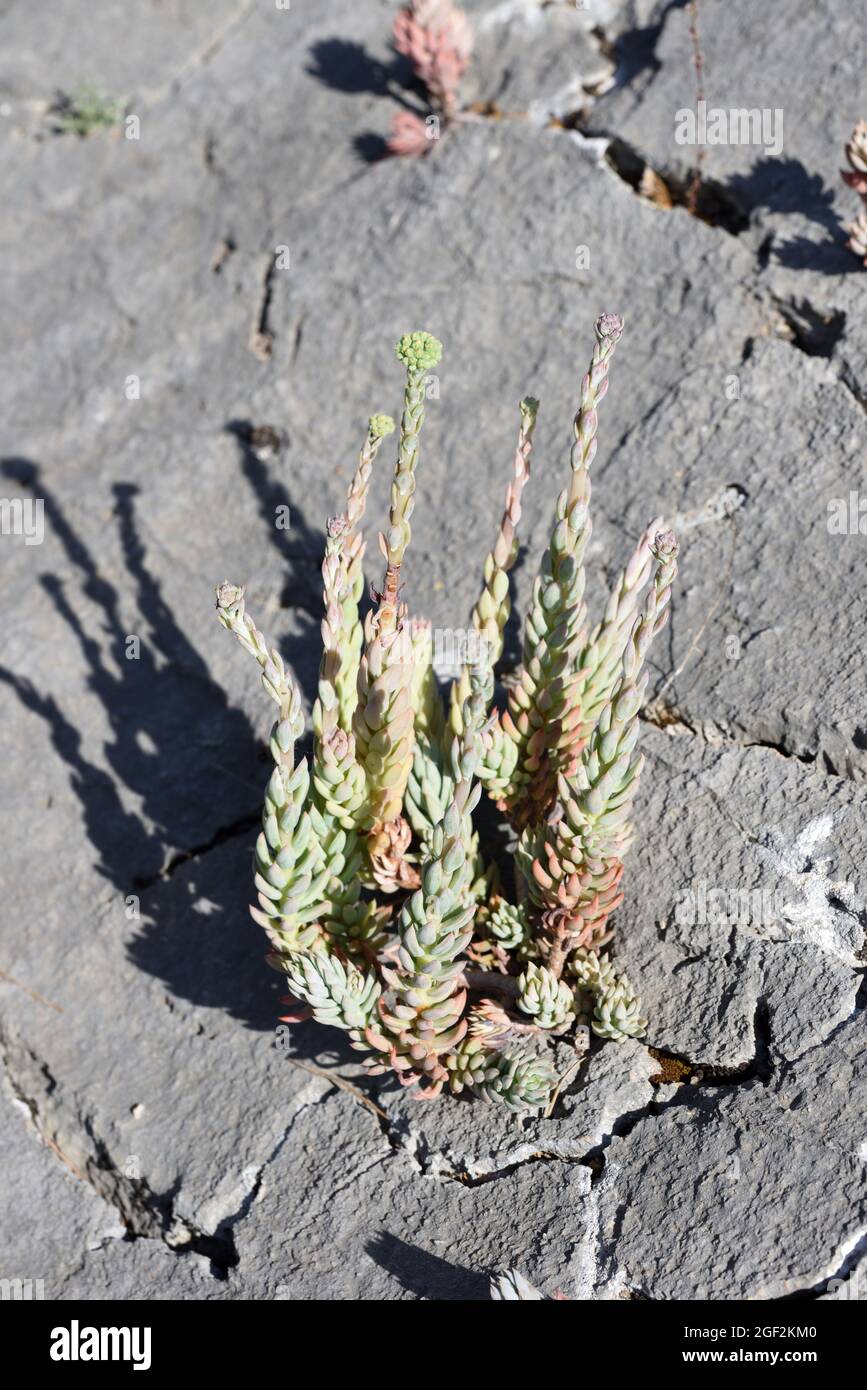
(711, 202)
(812, 331)
(261, 339)
(242, 826)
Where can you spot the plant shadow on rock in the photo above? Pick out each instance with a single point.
(426, 1276)
(176, 746)
(301, 547)
(786, 186)
(635, 50)
(347, 67)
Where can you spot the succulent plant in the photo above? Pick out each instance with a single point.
(617, 1013)
(85, 110)
(510, 925)
(548, 1001)
(856, 177)
(518, 1078)
(616, 1008)
(437, 39)
(447, 977)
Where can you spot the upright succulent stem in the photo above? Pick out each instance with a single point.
(232, 613)
(856, 177)
(338, 777)
(421, 1011)
(437, 39)
(539, 719)
(601, 658)
(573, 863)
(292, 871)
(334, 584)
(383, 720)
(352, 636)
(419, 352)
(491, 613)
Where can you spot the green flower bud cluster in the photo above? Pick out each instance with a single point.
(380, 425)
(419, 351)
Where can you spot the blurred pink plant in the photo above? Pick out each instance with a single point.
(856, 177)
(409, 135)
(437, 38)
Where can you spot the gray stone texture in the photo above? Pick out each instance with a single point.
(159, 1143)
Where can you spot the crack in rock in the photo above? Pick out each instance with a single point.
(716, 732)
(223, 1213)
(261, 339)
(242, 826)
(143, 1213)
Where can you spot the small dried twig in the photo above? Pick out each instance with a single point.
(34, 994)
(561, 1082)
(335, 1079)
(698, 64)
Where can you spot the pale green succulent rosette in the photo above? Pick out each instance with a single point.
(616, 1007)
(522, 1080)
(338, 993)
(510, 926)
(617, 1015)
(549, 1002)
(513, 1076)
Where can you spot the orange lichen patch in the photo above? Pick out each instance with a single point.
(671, 1069)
